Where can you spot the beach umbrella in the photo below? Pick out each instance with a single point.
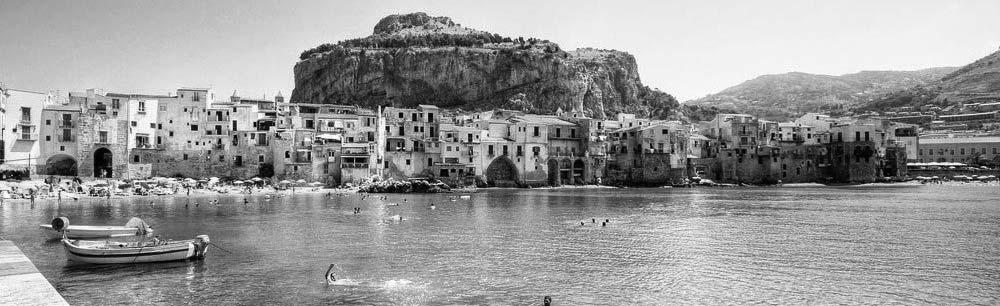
(285, 182)
(213, 179)
(237, 182)
(316, 183)
(256, 179)
(301, 181)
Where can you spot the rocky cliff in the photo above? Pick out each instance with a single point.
(417, 59)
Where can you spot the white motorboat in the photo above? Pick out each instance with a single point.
(60, 227)
(112, 252)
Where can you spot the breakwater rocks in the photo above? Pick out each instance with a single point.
(409, 186)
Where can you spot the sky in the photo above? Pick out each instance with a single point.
(686, 48)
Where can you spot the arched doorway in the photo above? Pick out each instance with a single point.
(102, 162)
(61, 164)
(553, 166)
(578, 173)
(501, 173)
(565, 171)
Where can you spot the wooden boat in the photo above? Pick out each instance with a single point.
(60, 227)
(111, 252)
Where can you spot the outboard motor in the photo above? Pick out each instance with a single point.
(201, 246)
(60, 224)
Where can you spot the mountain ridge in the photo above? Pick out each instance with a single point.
(786, 95)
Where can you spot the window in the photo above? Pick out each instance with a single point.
(102, 137)
(288, 154)
(171, 134)
(260, 158)
(535, 134)
(430, 161)
(67, 135)
(142, 106)
(185, 156)
(222, 158)
(48, 122)
(414, 117)
(48, 138)
(520, 151)
(536, 150)
(194, 127)
(135, 158)
(558, 132)
(26, 114)
(115, 103)
(664, 131)
(309, 124)
(430, 117)
(407, 161)
(239, 161)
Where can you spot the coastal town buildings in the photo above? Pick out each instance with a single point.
(190, 133)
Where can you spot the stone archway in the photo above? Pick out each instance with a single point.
(501, 173)
(103, 165)
(566, 171)
(61, 164)
(579, 173)
(553, 166)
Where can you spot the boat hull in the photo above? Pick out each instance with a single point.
(89, 231)
(99, 252)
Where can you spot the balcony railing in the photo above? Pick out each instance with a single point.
(32, 136)
(65, 124)
(65, 138)
(354, 165)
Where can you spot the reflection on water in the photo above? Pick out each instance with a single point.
(888, 244)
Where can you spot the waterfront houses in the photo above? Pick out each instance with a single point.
(191, 133)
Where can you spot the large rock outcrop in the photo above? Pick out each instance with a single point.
(417, 59)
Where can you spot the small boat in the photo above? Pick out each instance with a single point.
(112, 252)
(60, 227)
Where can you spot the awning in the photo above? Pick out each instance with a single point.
(330, 137)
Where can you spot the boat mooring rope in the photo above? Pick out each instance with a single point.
(217, 246)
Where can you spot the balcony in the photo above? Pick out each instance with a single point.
(30, 136)
(66, 138)
(218, 146)
(66, 124)
(144, 145)
(354, 165)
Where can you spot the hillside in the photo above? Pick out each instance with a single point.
(418, 59)
(782, 96)
(975, 82)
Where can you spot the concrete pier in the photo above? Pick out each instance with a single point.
(20, 281)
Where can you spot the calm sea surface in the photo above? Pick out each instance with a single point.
(900, 244)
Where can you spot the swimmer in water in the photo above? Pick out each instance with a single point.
(331, 277)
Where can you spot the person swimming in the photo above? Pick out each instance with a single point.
(331, 276)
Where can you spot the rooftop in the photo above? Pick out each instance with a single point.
(542, 119)
(961, 140)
